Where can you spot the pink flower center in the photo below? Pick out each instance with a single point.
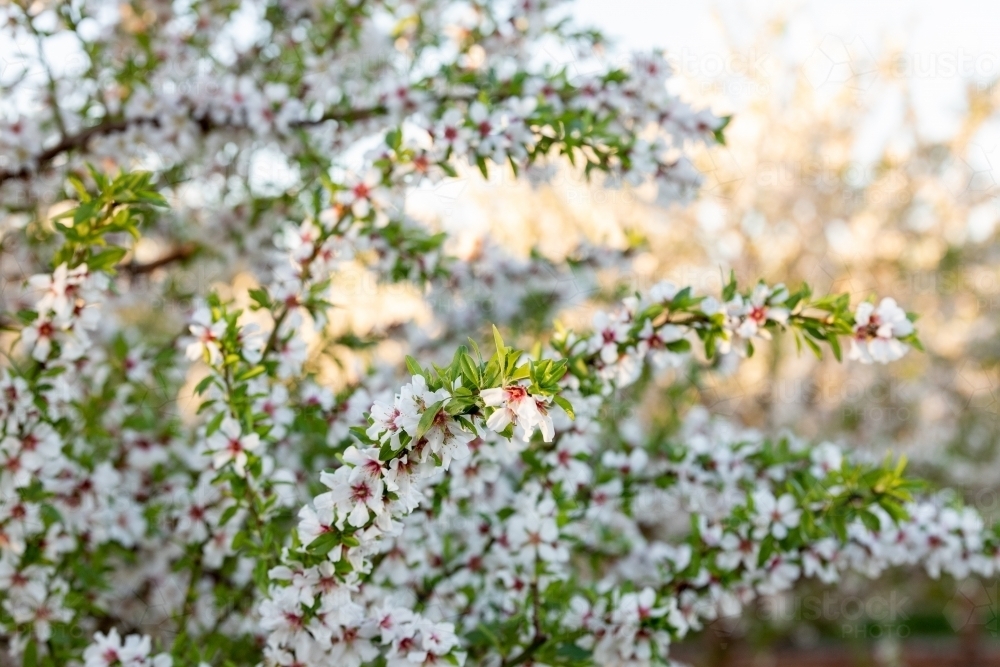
(361, 492)
(515, 393)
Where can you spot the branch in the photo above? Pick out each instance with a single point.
(341, 27)
(69, 143)
(205, 123)
(525, 655)
(178, 254)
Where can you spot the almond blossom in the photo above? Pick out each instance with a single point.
(110, 651)
(514, 405)
(230, 443)
(775, 515)
(206, 334)
(355, 498)
(878, 330)
(263, 478)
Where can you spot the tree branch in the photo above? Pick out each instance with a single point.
(205, 123)
(178, 254)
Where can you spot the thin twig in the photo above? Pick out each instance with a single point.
(205, 123)
(178, 254)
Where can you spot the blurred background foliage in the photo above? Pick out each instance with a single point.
(827, 176)
(836, 185)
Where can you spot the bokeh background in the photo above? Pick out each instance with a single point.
(863, 156)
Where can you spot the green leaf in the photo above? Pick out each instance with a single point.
(361, 434)
(682, 345)
(471, 371)
(870, 520)
(834, 342)
(566, 406)
(498, 339)
(250, 373)
(718, 132)
(106, 259)
(427, 419)
(228, 514)
(475, 348)
(214, 425)
(324, 544)
(27, 316)
(729, 291)
(574, 653)
(413, 367)
(839, 525)
(385, 452)
(813, 346)
(710, 346)
(520, 373)
(394, 139)
(30, 657)
(767, 547)
(261, 297)
(483, 635)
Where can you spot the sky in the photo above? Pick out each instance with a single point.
(924, 24)
(941, 45)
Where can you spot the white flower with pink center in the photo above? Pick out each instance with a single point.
(229, 443)
(877, 332)
(514, 405)
(355, 498)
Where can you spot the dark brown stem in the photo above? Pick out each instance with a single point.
(540, 638)
(178, 254)
(525, 655)
(112, 126)
(341, 28)
(69, 143)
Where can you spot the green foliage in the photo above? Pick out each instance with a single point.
(119, 205)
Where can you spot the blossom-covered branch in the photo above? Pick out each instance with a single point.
(430, 427)
(208, 457)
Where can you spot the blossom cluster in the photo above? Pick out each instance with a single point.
(503, 524)
(473, 486)
(233, 475)
(663, 325)
(465, 83)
